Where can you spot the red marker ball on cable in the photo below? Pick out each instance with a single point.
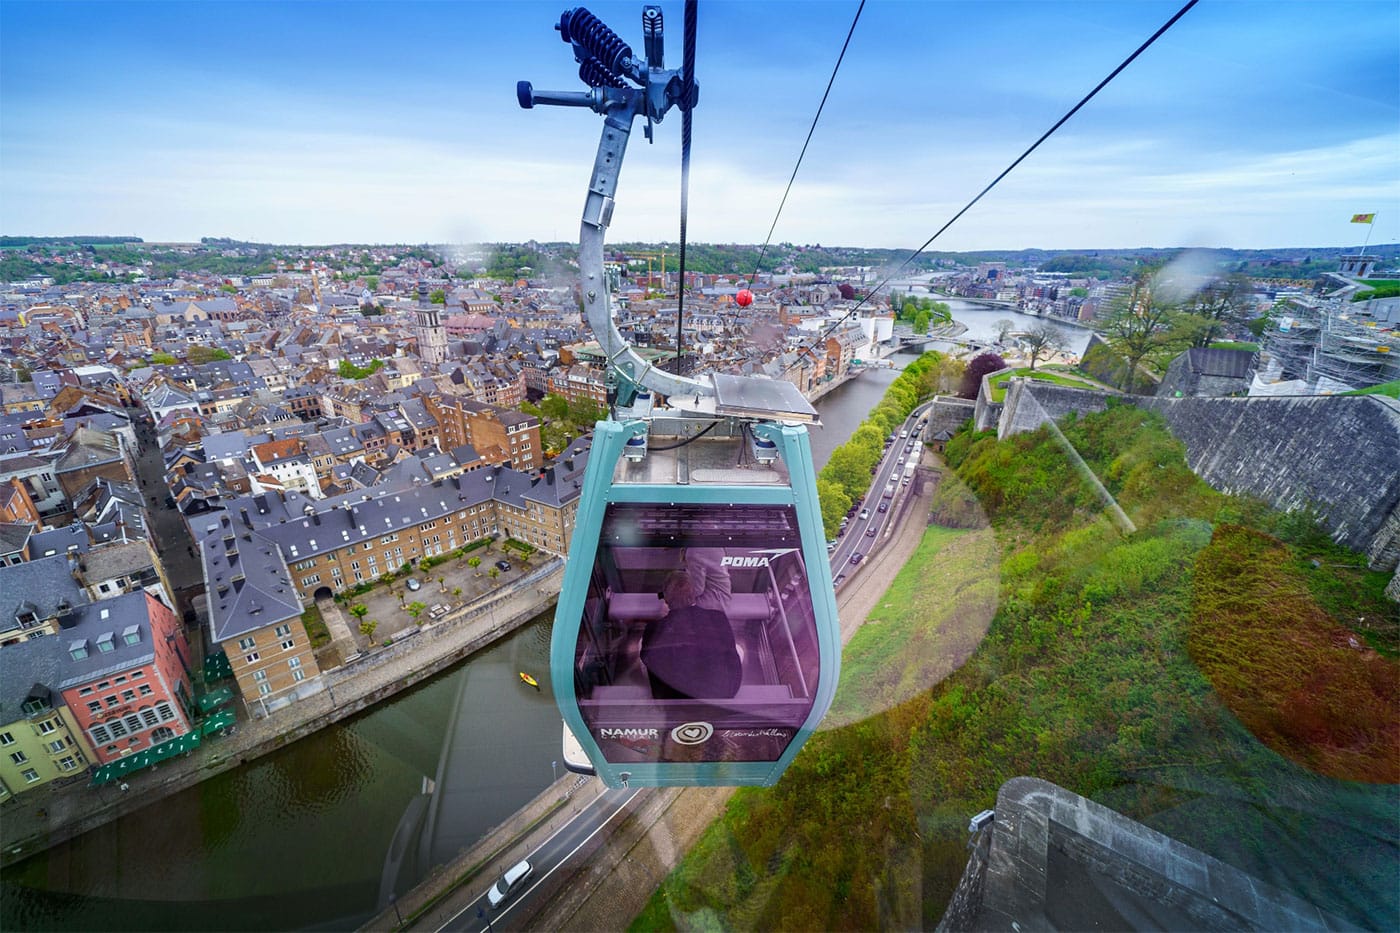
(744, 298)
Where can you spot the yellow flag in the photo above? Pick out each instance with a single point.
(1362, 218)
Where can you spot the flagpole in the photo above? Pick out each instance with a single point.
(1370, 225)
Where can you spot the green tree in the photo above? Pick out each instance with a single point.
(197, 355)
(849, 467)
(555, 407)
(372, 283)
(473, 562)
(437, 297)
(415, 609)
(161, 358)
(494, 572)
(835, 503)
(1224, 307)
(359, 610)
(367, 627)
(1143, 328)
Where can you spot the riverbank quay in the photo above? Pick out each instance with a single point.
(36, 821)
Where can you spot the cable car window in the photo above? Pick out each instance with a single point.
(698, 640)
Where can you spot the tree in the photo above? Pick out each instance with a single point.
(415, 609)
(494, 572)
(198, 355)
(456, 591)
(555, 407)
(437, 297)
(835, 502)
(847, 292)
(1004, 328)
(1223, 307)
(473, 562)
(359, 610)
(161, 358)
(980, 366)
(367, 628)
(1042, 340)
(442, 584)
(1144, 327)
(921, 322)
(372, 283)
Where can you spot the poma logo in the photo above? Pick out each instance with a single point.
(728, 561)
(629, 733)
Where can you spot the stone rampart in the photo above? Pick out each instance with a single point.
(1058, 861)
(1339, 455)
(1032, 402)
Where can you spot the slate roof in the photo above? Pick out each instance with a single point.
(1235, 364)
(37, 663)
(247, 580)
(39, 586)
(106, 622)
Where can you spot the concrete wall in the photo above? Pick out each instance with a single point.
(988, 413)
(1337, 454)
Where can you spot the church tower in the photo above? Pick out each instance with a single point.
(432, 336)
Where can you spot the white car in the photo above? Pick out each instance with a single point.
(509, 883)
(413, 584)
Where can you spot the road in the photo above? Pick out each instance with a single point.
(580, 838)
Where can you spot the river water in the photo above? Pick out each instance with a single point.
(298, 839)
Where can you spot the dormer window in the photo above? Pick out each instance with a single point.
(131, 634)
(106, 642)
(78, 650)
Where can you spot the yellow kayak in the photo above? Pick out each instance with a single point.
(529, 680)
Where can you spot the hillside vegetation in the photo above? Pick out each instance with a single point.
(1083, 679)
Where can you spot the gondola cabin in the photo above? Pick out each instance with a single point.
(696, 639)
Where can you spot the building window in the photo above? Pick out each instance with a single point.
(30, 775)
(100, 735)
(252, 658)
(298, 676)
(148, 716)
(85, 692)
(294, 663)
(283, 631)
(260, 676)
(18, 758)
(137, 675)
(57, 745)
(128, 695)
(133, 722)
(112, 701)
(6, 738)
(145, 690)
(67, 763)
(244, 644)
(94, 707)
(164, 733)
(118, 728)
(166, 713)
(46, 727)
(264, 689)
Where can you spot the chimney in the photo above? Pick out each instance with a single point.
(246, 520)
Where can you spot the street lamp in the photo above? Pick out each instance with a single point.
(554, 766)
(394, 903)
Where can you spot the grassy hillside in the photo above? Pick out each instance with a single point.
(1083, 678)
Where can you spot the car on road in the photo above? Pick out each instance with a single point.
(857, 557)
(502, 565)
(413, 584)
(884, 507)
(864, 514)
(840, 578)
(509, 883)
(870, 532)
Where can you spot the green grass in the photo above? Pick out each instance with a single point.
(999, 393)
(1234, 345)
(315, 626)
(1391, 389)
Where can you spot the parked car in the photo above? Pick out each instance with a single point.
(413, 584)
(502, 565)
(509, 883)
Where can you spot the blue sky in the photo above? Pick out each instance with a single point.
(1249, 124)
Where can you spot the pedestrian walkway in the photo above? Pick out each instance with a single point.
(55, 813)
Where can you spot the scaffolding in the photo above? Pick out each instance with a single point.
(1328, 346)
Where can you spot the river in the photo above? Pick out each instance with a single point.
(298, 839)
